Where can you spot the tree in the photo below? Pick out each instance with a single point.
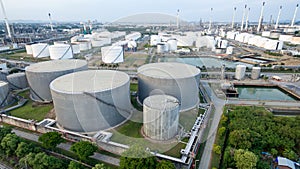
(84, 149)
(10, 143)
(99, 166)
(42, 160)
(75, 165)
(27, 160)
(51, 139)
(290, 154)
(240, 139)
(136, 157)
(23, 149)
(245, 159)
(165, 165)
(4, 131)
(217, 149)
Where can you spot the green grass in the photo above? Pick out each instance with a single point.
(175, 151)
(133, 87)
(31, 110)
(201, 111)
(131, 129)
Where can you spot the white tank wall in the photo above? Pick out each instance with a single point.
(132, 44)
(247, 37)
(160, 117)
(255, 73)
(240, 72)
(40, 50)
(112, 54)
(172, 44)
(85, 45)
(98, 42)
(60, 51)
(76, 48)
(28, 49)
(5, 97)
(222, 44)
(296, 40)
(17, 81)
(133, 36)
(261, 42)
(229, 50)
(274, 35)
(154, 39)
(79, 112)
(286, 38)
(162, 48)
(274, 45)
(266, 33)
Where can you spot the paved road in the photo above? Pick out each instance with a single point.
(2, 166)
(97, 156)
(219, 104)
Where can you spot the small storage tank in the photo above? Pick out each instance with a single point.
(274, 35)
(266, 34)
(40, 50)
(161, 117)
(172, 44)
(229, 50)
(61, 51)
(98, 42)
(240, 72)
(85, 45)
(286, 38)
(222, 44)
(39, 76)
(162, 47)
(17, 81)
(90, 101)
(28, 49)
(112, 54)
(132, 44)
(154, 40)
(60, 42)
(255, 73)
(75, 48)
(273, 45)
(5, 97)
(175, 79)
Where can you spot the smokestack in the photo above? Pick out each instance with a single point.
(234, 12)
(261, 17)
(277, 21)
(177, 22)
(295, 14)
(6, 20)
(51, 25)
(247, 20)
(244, 13)
(210, 19)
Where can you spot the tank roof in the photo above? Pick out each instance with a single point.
(2, 83)
(16, 74)
(169, 70)
(56, 65)
(161, 102)
(89, 81)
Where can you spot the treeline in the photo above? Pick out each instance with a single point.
(250, 137)
(21, 153)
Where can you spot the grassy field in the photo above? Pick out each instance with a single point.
(175, 151)
(31, 110)
(22, 56)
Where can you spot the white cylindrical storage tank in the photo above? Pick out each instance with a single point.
(172, 43)
(240, 72)
(175, 79)
(40, 50)
(39, 76)
(162, 47)
(222, 44)
(28, 49)
(273, 45)
(98, 42)
(112, 54)
(154, 40)
(85, 45)
(5, 97)
(132, 44)
(229, 50)
(255, 73)
(274, 35)
(160, 117)
(60, 42)
(75, 48)
(90, 101)
(17, 81)
(61, 51)
(266, 33)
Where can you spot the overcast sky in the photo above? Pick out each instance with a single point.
(111, 10)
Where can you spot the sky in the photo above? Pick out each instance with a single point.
(112, 10)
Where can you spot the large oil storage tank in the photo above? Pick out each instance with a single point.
(112, 54)
(162, 47)
(40, 50)
(39, 76)
(75, 48)
(28, 49)
(61, 51)
(240, 72)
(5, 97)
(255, 73)
(175, 79)
(286, 38)
(273, 45)
(17, 81)
(89, 101)
(161, 117)
(100, 41)
(85, 45)
(172, 44)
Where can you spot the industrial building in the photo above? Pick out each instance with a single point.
(39, 76)
(160, 117)
(174, 79)
(89, 101)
